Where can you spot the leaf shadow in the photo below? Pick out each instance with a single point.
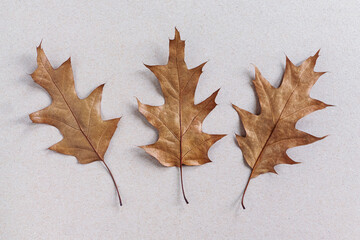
(276, 84)
(135, 111)
(28, 61)
(29, 64)
(147, 74)
(280, 77)
(161, 54)
(257, 109)
(141, 153)
(237, 203)
(148, 158)
(23, 120)
(161, 59)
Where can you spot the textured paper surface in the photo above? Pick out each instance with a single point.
(46, 195)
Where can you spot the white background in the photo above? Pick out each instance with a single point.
(47, 195)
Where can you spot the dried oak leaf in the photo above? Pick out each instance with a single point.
(272, 132)
(179, 121)
(86, 135)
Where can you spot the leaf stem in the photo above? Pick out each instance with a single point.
(182, 184)
(112, 177)
(180, 121)
(242, 199)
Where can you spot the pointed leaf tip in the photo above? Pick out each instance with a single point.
(177, 34)
(40, 44)
(316, 56)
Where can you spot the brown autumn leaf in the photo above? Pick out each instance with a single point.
(179, 121)
(272, 132)
(86, 135)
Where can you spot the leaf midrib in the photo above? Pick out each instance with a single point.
(278, 120)
(74, 116)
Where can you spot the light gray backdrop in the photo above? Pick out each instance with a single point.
(46, 195)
